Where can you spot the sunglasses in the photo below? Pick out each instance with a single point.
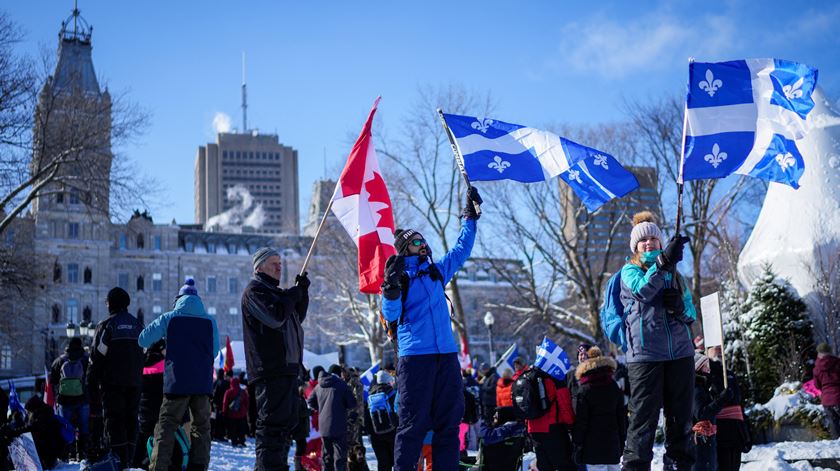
(418, 242)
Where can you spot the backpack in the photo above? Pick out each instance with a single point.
(383, 418)
(530, 398)
(471, 407)
(614, 312)
(180, 454)
(236, 403)
(71, 382)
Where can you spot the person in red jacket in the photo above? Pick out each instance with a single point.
(827, 379)
(235, 410)
(551, 430)
(503, 386)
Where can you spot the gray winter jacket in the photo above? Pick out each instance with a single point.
(333, 399)
(653, 334)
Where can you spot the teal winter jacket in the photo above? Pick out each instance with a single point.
(192, 342)
(653, 334)
(424, 325)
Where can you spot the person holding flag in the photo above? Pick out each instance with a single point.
(429, 375)
(660, 353)
(550, 431)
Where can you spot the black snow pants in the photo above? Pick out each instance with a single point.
(277, 417)
(653, 386)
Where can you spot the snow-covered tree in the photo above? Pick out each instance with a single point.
(779, 332)
(735, 322)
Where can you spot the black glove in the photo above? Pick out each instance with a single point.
(302, 281)
(672, 254)
(394, 268)
(472, 208)
(672, 301)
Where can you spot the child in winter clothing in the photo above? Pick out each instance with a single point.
(235, 412)
(658, 313)
(550, 431)
(599, 432)
(708, 401)
(827, 379)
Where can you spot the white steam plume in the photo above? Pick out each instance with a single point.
(221, 122)
(244, 213)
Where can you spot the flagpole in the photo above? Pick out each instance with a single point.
(317, 234)
(680, 183)
(458, 157)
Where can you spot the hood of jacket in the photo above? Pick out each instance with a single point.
(234, 384)
(190, 304)
(593, 365)
(74, 353)
(329, 380)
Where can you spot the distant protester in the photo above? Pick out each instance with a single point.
(827, 379)
(68, 376)
(333, 400)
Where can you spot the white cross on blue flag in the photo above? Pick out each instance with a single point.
(744, 117)
(496, 150)
(367, 377)
(506, 362)
(552, 359)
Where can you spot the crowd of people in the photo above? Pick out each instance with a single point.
(148, 396)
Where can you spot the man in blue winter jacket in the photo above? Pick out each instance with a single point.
(429, 375)
(192, 342)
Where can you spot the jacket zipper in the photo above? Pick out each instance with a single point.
(668, 332)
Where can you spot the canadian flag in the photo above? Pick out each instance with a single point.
(229, 362)
(362, 204)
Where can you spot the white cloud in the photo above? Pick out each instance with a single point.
(618, 48)
(221, 122)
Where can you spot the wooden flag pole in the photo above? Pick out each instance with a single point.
(317, 235)
(459, 159)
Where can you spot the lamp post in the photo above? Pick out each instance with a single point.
(70, 330)
(488, 321)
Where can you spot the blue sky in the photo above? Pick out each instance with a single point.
(314, 68)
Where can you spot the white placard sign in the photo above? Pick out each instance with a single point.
(712, 331)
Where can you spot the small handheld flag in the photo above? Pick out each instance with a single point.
(229, 361)
(367, 377)
(552, 359)
(506, 361)
(496, 150)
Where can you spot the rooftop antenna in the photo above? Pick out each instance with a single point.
(244, 98)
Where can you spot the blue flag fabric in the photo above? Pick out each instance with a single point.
(496, 150)
(512, 353)
(552, 359)
(367, 377)
(14, 399)
(745, 116)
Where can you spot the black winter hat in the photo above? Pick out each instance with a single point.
(75, 344)
(118, 300)
(401, 238)
(335, 369)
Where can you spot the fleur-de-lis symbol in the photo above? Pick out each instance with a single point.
(711, 84)
(785, 160)
(601, 160)
(575, 175)
(794, 91)
(499, 164)
(716, 157)
(482, 124)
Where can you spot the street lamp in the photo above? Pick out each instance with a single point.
(84, 329)
(70, 330)
(488, 321)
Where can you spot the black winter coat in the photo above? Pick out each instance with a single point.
(220, 386)
(487, 391)
(598, 432)
(333, 399)
(271, 327)
(117, 359)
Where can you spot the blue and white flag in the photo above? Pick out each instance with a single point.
(496, 150)
(367, 377)
(744, 117)
(14, 399)
(506, 361)
(552, 359)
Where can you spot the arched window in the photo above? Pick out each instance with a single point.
(141, 317)
(56, 314)
(141, 283)
(141, 242)
(57, 273)
(88, 276)
(86, 314)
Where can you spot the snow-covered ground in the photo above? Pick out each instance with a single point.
(782, 456)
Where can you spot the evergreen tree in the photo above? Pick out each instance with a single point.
(780, 335)
(736, 320)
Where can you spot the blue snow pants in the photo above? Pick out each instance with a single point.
(431, 397)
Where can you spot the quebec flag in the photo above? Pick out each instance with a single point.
(366, 378)
(496, 150)
(506, 362)
(745, 116)
(552, 359)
